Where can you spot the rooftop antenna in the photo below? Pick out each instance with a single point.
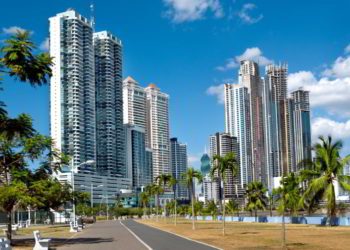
(92, 12)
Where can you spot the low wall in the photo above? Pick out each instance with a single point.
(311, 220)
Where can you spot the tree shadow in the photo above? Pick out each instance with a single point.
(57, 242)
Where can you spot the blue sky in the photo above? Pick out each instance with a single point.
(190, 47)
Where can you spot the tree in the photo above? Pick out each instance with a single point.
(18, 61)
(324, 173)
(256, 197)
(173, 185)
(144, 199)
(188, 178)
(288, 194)
(18, 139)
(232, 207)
(223, 166)
(163, 181)
(212, 209)
(157, 190)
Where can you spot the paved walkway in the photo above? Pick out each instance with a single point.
(160, 240)
(128, 235)
(107, 235)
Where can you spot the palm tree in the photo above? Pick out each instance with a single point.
(189, 177)
(288, 194)
(256, 196)
(150, 193)
(144, 199)
(157, 190)
(212, 209)
(323, 173)
(232, 207)
(223, 166)
(18, 60)
(163, 181)
(173, 184)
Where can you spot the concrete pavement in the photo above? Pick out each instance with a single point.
(106, 235)
(160, 240)
(128, 235)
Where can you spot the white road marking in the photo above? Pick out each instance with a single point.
(137, 237)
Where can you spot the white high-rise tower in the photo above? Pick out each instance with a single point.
(158, 129)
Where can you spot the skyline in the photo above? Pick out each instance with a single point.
(188, 102)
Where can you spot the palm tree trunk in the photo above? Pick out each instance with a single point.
(332, 207)
(175, 214)
(283, 226)
(256, 215)
(193, 226)
(223, 211)
(157, 207)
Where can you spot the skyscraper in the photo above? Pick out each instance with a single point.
(222, 144)
(250, 78)
(279, 117)
(134, 97)
(157, 105)
(72, 86)
(205, 164)
(109, 105)
(85, 90)
(302, 129)
(138, 162)
(179, 164)
(238, 124)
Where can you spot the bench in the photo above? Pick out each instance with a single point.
(73, 228)
(5, 244)
(40, 244)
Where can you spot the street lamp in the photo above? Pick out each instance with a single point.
(73, 170)
(92, 193)
(105, 197)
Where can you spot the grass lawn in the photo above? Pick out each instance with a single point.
(258, 235)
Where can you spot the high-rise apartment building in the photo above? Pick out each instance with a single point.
(72, 87)
(278, 120)
(179, 164)
(157, 105)
(138, 157)
(250, 78)
(134, 97)
(238, 124)
(222, 144)
(302, 129)
(110, 134)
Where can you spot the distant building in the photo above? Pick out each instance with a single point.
(138, 157)
(210, 189)
(157, 104)
(179, 164)
(238, 124)
(134, 98)
(205, 164)
(221, 144)
(301, 126)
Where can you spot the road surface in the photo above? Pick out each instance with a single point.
(128, 235)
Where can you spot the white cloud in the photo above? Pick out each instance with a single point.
(347, 49)
(218, 92)
(190, 10)
(245, 15)
(340, 68)
(254, 54)
(193, 159)
(333, 95)
(324, 126)
(45, 45)
(12, 30)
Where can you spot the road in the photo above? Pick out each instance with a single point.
(128, 235)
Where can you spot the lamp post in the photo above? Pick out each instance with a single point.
(73, 170)
(106, 197)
